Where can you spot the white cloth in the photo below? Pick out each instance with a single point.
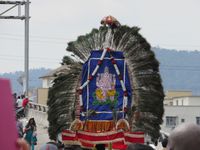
(19, 102)
(48, 146)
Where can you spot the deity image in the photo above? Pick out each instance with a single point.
(106, 85)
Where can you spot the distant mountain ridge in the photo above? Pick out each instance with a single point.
(180, 70)
(34, 81)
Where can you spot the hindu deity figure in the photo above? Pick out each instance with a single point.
(106, 85)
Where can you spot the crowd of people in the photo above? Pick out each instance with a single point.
(29, 132)
(20, 101)
(27, 135)
(20, 104)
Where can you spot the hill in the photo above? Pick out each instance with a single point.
(180, 70)
(34, 81)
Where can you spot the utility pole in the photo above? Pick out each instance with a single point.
(26, 18)
(26, 46)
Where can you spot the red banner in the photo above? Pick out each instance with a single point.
(134, 137)
(119, 139)
(100, 138)
(70, 137)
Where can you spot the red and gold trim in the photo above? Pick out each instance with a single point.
(99, 126)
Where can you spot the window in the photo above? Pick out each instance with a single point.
(198, 120)
(171, 121)
(182, 120)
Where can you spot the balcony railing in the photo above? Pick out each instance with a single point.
(36, 106)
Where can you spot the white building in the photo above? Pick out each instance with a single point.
(49, 77)
(175, 115)
(186, 101)
(170, 95)
(47, 81)
(180, 109)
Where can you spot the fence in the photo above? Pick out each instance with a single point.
(39, 112)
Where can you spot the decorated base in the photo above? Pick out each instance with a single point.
(88, 134)
(118, 138)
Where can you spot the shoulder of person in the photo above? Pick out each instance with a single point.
(20, 123)
(49, 145)
(52, 142)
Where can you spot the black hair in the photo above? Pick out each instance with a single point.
(29, 122)
(17, 116)
(164, 142)
(139, 147)
(100, 146)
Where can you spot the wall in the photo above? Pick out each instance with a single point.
(47, 82)
(39, 113)
(180, 101)
(188, 113)
(191, 100)
(42, 95)
(194, 100)
(171, 94)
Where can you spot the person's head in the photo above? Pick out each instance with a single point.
(22, 143)
(31, 122)
(15, 95)
(49, 146)
(139, 147)
(100, 146)
(17, 117)
(22, 96)
(164, 142)
(60, 145)
(185, 137)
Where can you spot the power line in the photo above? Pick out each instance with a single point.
(37, 41)
(35, 61)
(26, 18)
(179, 69)
(36, 36)
(175, 45)
(177, 66)
(19, 56)
(62, 38)
(48, 59)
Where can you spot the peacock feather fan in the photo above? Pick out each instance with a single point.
(143, 71)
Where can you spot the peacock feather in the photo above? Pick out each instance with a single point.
(143, 71)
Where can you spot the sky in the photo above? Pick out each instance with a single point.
(173, 24)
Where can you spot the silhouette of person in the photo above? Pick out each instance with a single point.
(23, 145)
(185, 137)
(139, 147)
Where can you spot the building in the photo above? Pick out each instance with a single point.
(47, 82)
(180, 107)
(172, 94)
(186, 101)
(175, 115)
